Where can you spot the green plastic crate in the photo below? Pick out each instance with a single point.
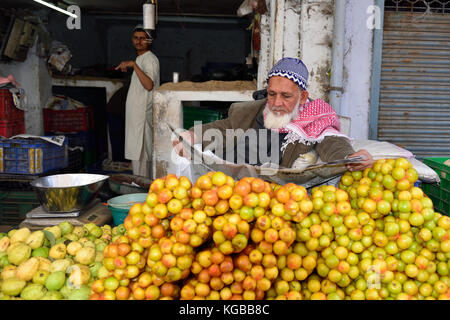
(14, 205)
(431, 189)
(444, 208)
(440, 206)
(436, 191)
(437, 164)
(90, 156)
(191, 114)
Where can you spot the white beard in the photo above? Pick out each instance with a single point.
(273, 121)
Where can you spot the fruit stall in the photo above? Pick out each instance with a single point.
(377, 235)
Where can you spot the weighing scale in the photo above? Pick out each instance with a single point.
(96, 212)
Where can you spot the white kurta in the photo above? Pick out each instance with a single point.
(138, 114)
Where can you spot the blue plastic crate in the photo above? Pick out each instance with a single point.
(32, 156)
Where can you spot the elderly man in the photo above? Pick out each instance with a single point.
(295, 125)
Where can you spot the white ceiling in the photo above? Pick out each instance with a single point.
(165, 7)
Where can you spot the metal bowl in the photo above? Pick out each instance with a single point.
(67, 192)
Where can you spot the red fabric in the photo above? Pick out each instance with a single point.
(256, 35)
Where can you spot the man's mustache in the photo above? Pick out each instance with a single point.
(277, 109)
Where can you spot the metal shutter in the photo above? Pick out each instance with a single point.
(414, 109)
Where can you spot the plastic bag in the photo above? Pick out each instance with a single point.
(17, 92)
(182, 167)
(59, 56)
(426, 174)
(382, 149)
(245, 8)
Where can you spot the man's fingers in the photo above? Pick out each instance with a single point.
(121, 67)
(366, 162)
(358, 167)
(176, 147)
(179, 149)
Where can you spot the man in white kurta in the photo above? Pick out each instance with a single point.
(138, 114)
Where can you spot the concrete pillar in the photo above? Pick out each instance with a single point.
(316, 32)
(302, 29)
(168, 108)
(278, 31)
(291, 36)
(280, 35)
(358, 49)
(264, 63)
(33, 76)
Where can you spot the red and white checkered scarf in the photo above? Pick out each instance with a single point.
(316, 120)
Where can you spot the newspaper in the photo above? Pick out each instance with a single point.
(59, 56)
(312, 175)
(58, 140)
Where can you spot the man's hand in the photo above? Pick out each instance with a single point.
(178, 146)
(360, 165)
(124, 65)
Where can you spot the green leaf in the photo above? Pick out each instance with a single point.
(50, 237)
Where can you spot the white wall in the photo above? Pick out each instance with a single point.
(316, 36)
(33, 76)
(308, 35)
(357, 68)
(291, 28)
(307, 31)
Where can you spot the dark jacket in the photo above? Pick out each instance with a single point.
(116, 105)
(243, 116)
